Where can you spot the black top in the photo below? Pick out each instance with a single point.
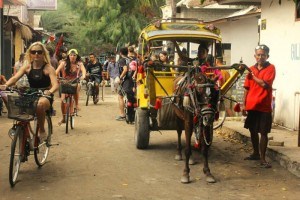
(37, 79)
(94, 68)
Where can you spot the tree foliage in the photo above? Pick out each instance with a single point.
(93, 25)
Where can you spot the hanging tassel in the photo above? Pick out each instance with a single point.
(186, 100)
(157, 104)
(237, 107)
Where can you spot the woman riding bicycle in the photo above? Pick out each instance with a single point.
(71, 68)
(41, 75)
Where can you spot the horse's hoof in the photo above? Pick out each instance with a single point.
(185, 179)
(210, 179)
(178, 157)
(192, 161)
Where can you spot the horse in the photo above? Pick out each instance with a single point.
(194, 99)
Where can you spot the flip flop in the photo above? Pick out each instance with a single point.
(265, 165)
(252, 157)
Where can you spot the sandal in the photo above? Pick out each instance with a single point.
(252, 157)
(265, 165)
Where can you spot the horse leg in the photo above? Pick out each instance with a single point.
(204, 147)
(178, 156)
(188, 127)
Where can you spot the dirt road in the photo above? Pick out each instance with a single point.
(98, 160)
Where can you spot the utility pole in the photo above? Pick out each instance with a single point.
(172, 5)
(1, 37)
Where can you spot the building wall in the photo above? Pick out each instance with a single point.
(242, 34)
(282, 35)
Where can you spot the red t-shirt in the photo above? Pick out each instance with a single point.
(260, 98)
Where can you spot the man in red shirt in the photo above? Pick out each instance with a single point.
(257, 103)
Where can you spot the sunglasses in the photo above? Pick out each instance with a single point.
(263, 47)
(36, 52)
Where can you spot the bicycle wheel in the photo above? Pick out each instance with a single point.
(88, 94)
(15, 156)
(222, 115)
(41, 148)
(73, 114)
(68, 104)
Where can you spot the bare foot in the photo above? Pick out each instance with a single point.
(61, 122)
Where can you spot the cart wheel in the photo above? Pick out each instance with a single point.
(142, 129)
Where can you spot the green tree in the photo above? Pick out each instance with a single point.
(100, 25)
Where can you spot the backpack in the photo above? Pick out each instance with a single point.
(131, 63)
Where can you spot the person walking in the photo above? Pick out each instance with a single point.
(23, 81)
(258, 103)
(127, 84)
(113, 74)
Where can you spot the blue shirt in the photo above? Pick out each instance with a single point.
(113, 69)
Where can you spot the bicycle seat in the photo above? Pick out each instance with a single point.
(22, 117)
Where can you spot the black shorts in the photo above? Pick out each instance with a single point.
(260, 122)
(127, 86)
(96, 79)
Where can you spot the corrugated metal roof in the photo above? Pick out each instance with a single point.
(15, 2)
(248, 12)
(239, 2)
(195, 3)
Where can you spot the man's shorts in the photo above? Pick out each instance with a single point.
(260, 122)
(126, 86)
(96, 79)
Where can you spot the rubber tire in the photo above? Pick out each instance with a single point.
(142, 129)
(37, 151)
(72, 116)
(88, 94)
(18, 137)
(68, 114)
(94, 95)
(72, 121)
(222, 115)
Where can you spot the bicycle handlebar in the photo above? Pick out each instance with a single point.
(38, 93)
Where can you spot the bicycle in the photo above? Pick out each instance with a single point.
(22, 108)
(69, 88)
(221, 109)
(91, 89)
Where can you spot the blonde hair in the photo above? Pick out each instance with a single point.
(46, 52)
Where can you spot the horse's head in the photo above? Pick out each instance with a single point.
(206, 96)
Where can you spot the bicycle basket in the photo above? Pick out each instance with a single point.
(68, 88)
(21, 108)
